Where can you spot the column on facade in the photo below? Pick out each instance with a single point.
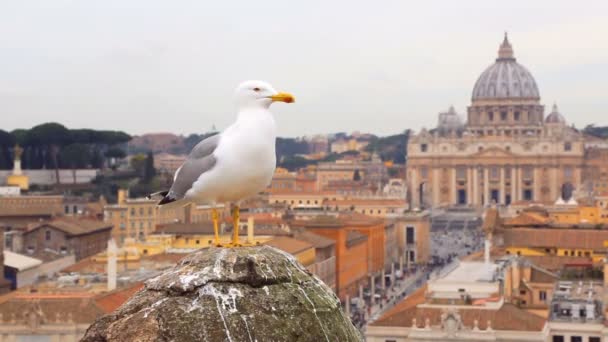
(486, 186)
(502, 185)
(414, 188)
(435, 175)
(475, 186)
(520, 187)
(513, 183)
(536, 183)
(453, 190)
(470, 186)
(554, 191)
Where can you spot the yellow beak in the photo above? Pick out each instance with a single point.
(283, 97)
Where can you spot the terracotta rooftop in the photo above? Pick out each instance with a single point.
(316, 240)
(527, 218)
(110, 301)
(205, 227)
(370, 201)
(491, 220)
(79, 307)
(355, 238)
(74, 225)
(289, 245)
(339, 221)
(555, 238)
(31, 206)
(508, 317)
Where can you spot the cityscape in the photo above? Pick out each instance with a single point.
(490, 225)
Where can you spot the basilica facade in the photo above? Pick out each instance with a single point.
(507, 150)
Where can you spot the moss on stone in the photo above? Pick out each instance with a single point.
(242, 294)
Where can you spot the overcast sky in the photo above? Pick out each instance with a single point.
(372, 66)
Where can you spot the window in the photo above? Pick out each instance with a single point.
(424, 147)
(516, 116)
(66, 209)
(47, 235)
(542, 295)
(409, 235)
(503, 116)
(141, 211)
(567, 146)
(198, 242)
(522, 292)
(150, 211)
(74, 210)
(576, 339)
(412, 256)
(132, 211)
(122, 226)
(595, 339)
(491, 116)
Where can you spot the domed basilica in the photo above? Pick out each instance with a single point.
(506, 151)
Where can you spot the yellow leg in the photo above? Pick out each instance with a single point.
(235, 218)
(215, 216)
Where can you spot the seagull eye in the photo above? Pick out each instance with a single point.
(256, 89)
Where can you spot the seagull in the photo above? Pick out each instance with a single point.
(235, 164)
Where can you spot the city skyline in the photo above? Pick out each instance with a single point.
(378, 69)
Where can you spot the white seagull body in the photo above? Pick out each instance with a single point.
(237, 163)
(245, 164)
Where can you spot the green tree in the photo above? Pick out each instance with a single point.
(149, 171)
(7, 141)
(53, 136)
(115, 152)
(75, 156)
(138, 162)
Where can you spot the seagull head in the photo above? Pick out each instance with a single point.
(252, 94)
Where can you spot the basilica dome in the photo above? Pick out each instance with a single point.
(555, 116)
(505, 79)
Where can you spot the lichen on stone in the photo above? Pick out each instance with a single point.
(242, 294)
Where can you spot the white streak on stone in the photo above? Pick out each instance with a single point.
(217, 267)
(266, 290)
(153, 306)
(314, 310)
(244, 318)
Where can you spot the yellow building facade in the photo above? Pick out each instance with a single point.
(138, 218)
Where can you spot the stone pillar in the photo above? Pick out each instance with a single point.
(476, 186)
(435, 175)
(502, 186)
(536, 184)
(250, 227)
(347, 309)
(520, 184)
(486, 186)
(111, 257)
(513, 184)
(392, 274)
(373, 288)
(360, 293)
(383, 280)
(555, 190)
(453, 192)
(415, 189)
(470, 186)
(401, 263)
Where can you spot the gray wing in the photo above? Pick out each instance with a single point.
(200, 160)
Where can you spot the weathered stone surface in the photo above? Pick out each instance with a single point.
(242, 294)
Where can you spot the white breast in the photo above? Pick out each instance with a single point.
(245, 162)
